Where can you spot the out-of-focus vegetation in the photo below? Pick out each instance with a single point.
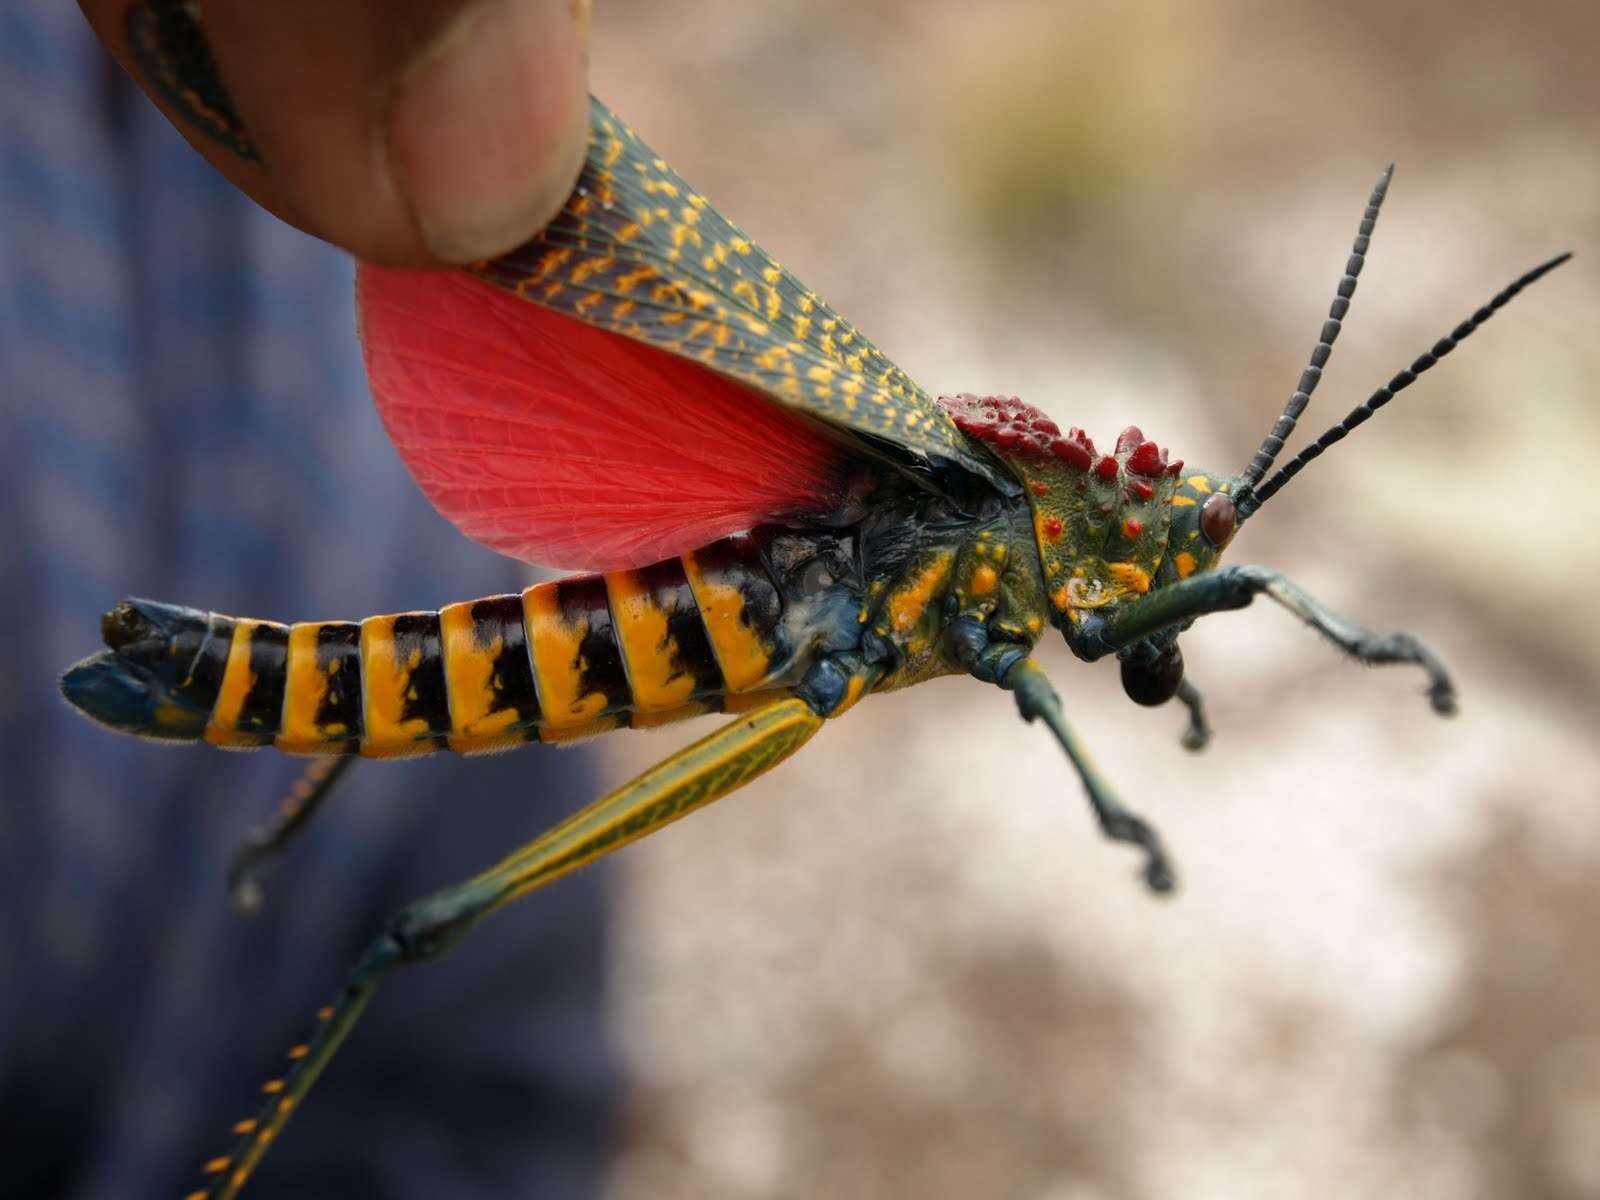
(904, 965)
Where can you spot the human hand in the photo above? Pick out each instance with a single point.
(410, 132)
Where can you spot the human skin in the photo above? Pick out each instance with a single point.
(409, 132)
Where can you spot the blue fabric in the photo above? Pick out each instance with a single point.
(183, 416)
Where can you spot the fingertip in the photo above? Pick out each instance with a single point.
(485, 131)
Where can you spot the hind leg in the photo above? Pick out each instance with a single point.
(305, 799)
(695, 776)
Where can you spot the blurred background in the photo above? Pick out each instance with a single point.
(904, 964)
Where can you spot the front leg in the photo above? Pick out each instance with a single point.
(1226, 588)
(1008, 664)
(1197, 734)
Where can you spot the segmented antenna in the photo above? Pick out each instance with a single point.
(1273, 442)
(1398, 384)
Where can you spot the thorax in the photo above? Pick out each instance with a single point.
(886, 588)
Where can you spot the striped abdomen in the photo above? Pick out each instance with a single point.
(562, 660)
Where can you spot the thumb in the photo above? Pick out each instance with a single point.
(407, 131)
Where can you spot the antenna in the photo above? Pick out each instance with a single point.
(1399, 383)
(1273, 442)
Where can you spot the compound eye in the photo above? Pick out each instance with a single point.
(1153, 681)
(1218, 518)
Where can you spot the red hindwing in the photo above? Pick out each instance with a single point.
(563, 444)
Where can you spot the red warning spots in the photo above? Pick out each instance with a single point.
(1017, 429)
(1148, 460)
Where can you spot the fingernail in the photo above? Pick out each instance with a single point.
(168, 46)
(486, 129)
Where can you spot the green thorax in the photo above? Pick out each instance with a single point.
(1101, 521)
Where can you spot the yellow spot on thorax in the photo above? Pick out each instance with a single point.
(911, 599)
(556, 647)
(647, 647)
(1130, 577)
(1185, 564)
(1200, 483)
(984, 580)
(740, 651)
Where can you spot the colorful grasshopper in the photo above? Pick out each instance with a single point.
(785, 522)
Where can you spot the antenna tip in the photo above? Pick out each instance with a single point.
(1546, 267)
(1381, 188)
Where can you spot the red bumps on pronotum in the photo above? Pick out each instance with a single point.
(1015, 428)
(1147, 459)
(570, 446)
